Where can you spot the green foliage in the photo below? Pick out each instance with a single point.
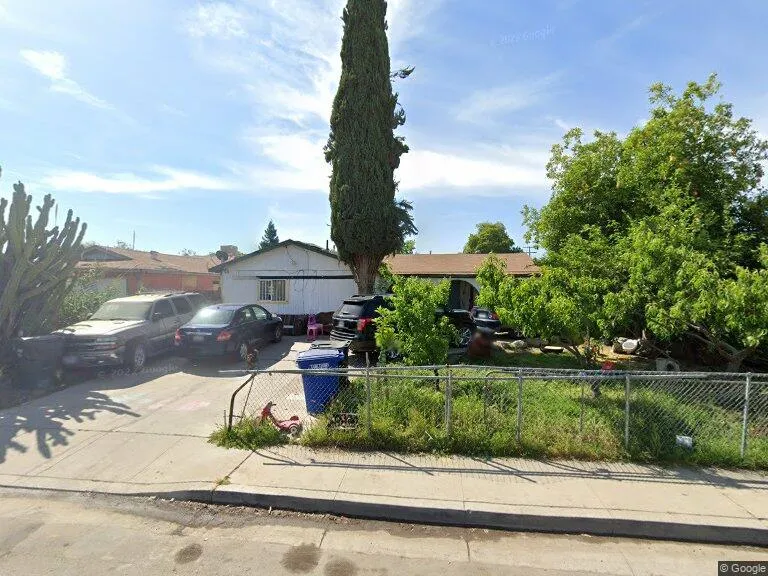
(36, 264)
(490, 238)
(490, 276)
(83, 298)
(270, 236)
(411, 326)
(122, 244)
(662, 229)
(367, 222)
(248, 434)
(409, 246)
(187, 252)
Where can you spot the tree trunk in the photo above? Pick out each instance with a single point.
(365, 268)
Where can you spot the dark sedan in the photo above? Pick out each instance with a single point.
(486, 320)
(228, 329)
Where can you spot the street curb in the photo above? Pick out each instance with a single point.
(615, 527)
(609, 527)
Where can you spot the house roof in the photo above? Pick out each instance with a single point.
(438, 265)
(138, 260)
(305, 245)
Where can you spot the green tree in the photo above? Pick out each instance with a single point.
(83, 298)
(187, 252)
(367, 222)
(36, 264)
(490, 237)
(270, 236)
(409, 246)
(122, 244)
(665, 224)
(410, 325)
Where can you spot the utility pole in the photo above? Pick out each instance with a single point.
(133, 246)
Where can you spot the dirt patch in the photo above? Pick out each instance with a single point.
(301, 559)
(188, 554)
(339, 567)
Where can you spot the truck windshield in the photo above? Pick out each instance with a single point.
(123, 311)
(213, 316)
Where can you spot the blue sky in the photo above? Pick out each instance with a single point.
(194, 123)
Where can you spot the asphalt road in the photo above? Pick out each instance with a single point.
(78, 534)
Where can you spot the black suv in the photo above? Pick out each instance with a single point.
(354, 322)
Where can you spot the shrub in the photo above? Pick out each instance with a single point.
(411, 325)
(83, 299)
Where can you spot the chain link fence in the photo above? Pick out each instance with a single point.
(706, 418)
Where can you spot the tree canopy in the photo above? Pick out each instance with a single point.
(270, 236)
(490, 237)
(367, 222)
(661, 231)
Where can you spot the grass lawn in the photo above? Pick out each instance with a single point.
(560, 419)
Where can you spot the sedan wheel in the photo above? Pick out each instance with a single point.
(278, 333)
(242, 351)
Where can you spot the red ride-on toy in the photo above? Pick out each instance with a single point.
(291, 426)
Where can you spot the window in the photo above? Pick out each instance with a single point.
(196, 300)
(272, 291)
(122, 310)
(182, 305)
(259, 313)
(244, 315)
(163, 307)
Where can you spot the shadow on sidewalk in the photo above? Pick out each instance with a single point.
(534, 470)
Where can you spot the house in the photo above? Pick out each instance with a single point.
(290, 278)
(130, 271)
(296, 278)
(460, 269)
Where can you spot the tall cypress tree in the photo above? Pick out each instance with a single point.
(367, 222)
(270, 236)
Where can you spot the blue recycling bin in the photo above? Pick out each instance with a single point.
(319, 390)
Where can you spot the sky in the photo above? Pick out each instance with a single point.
(193, 123)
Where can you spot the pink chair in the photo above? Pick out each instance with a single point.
(314, 329)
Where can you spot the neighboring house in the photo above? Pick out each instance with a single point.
(460, 269)
(132, 271)
(295, 278)
(290, 278)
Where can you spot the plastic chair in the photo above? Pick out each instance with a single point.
(314, 329)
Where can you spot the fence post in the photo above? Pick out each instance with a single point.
(449, 403)
(581, 407)
(626, 412)
(368, 392)
(519, 406)
(745, 417)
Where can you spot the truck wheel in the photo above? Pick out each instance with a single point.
(136, 356)
(464, 337)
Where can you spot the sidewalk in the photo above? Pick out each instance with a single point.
(136, 435)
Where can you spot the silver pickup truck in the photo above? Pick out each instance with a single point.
(127, 331)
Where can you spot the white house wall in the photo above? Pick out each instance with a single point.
(315, 282)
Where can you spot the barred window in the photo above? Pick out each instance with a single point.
(272, 291)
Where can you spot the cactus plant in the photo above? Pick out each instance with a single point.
(36, 265)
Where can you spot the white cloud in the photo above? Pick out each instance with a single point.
(53, 65)
(483, 105)
(216, 19)
(165, 180)
(173, 111)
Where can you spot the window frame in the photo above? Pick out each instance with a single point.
(271, 282)
(170, 305)
(191, 308)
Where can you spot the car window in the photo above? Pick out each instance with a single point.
(213, 315)
(351, 309)
(164, 308)
(244, 315)
(196, 300)
(259, 313)
(182, 305)
(122, 310)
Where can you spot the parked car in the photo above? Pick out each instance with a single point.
(353, 322)
(228, 329)
(486, 319)
(127, 331)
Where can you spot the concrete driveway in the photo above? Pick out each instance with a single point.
(173, 399)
